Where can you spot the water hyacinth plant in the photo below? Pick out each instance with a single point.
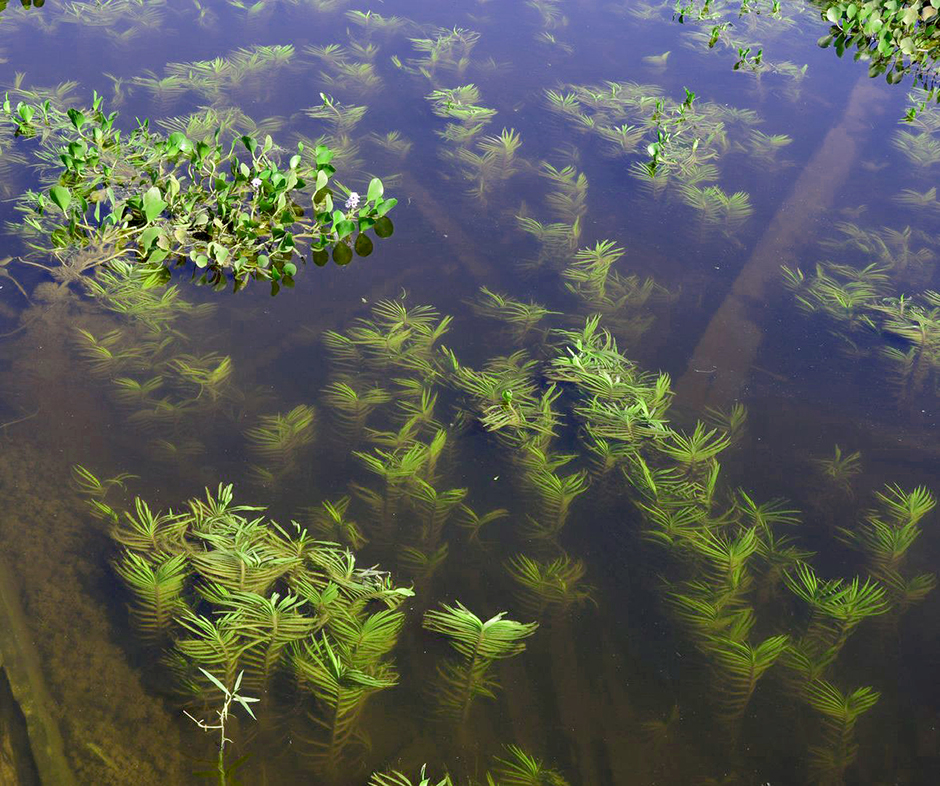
(232, 210)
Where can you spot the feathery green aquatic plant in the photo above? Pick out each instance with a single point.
(432, 509)
(344, 676)
(837, 608)
(840, 469)
(397, 470)
(519, 768)
(157, 588)
(233, 595)
(231, 215)
(840, 713)
(447, 50)
(490, 164)
(479, 644)
(466, 117)
(350, 410)
(330, 521)
(520, 318)
(279, 440)
(738, 666)
(885, 536)
(395, 778)
(553, 588)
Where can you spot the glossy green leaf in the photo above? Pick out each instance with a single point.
(385, 206)
(153, 204)
(61, 197)
(344, 228)
(376, 189)
(148, 236)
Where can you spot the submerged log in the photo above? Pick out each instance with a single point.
(722, 361)
(21, 662)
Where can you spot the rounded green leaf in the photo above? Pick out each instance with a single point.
(384, 227)
(342, 254)
(363, 245)
(320, 257)
(376, 189)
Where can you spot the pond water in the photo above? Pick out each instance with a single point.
(718, 512)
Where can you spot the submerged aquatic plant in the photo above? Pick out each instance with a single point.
(885, 536)
(280, 439)
(479, 644)
(840, 713)
(554, 587)
(245, 599)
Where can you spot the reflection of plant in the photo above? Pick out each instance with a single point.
(479, 644)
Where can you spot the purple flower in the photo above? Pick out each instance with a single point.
(352, 201)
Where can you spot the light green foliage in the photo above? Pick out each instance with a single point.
(840, 468)
(489, 163)
(466, 117)
(445, 52)
(552, 587)
(280, 440)
(395, 778)
(885, 536)
(520, 318)
(234, 594)
(840, 713)
(478, 644)
(681, 141)
(519, 768)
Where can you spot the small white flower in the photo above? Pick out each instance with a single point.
(352, 201)
(256, 183)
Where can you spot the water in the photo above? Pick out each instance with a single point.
(624, 681)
